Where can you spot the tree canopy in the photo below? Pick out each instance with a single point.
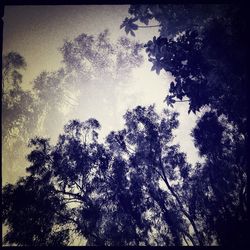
(137, 187)
(46, 104)
(103, 190)
(206, 54)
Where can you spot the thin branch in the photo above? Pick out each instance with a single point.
(180, 204)
(125, 149)
(78, 186)
(67, 218)
(70, 194)
(185, 239)
(182, 209)
(149, 26)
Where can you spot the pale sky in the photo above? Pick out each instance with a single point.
(36, 32)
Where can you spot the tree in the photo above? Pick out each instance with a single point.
(34, 196)
(13, 95)
(108, 193)
(54, 96)
(12, 62)
(170, 17)
(146, 141)
(87, 61)
(137, 188)
(219, 194)
(205, 52)
(19, 110)
(29, 197)
(96, 66)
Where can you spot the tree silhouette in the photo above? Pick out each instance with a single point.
(108, 193)
(12, 94)
(146, 140)
(19, 110)
(40, 227)
(31, 208)
(205, 52)
(219, 195)
(170, 17)
(40, 110)
(137, 187)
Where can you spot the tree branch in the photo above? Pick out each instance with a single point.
(79, 197)
(180, 204)
(185, 239)
(149, 26)
(183, 100)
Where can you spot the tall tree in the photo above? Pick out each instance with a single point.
(16, 102)
(206, 54)
(146, 141)
(19, 111)
(219, 194)
(109, 193)
(87, 61)
(95, 65)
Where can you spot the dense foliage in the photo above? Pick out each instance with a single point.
(137, 187)
(206, 54)
(110, 192)
(47, 103)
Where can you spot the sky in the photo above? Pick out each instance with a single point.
(37, 32)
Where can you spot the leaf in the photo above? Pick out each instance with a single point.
(132, 32)
(145, 20)
(126, 29)
(171, 85)
(169, 99)
(153, 68)
(158, 69)
(134, 26)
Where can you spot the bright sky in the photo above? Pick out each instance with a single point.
(36, 32)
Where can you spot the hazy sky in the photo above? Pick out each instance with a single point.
(36, 32)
